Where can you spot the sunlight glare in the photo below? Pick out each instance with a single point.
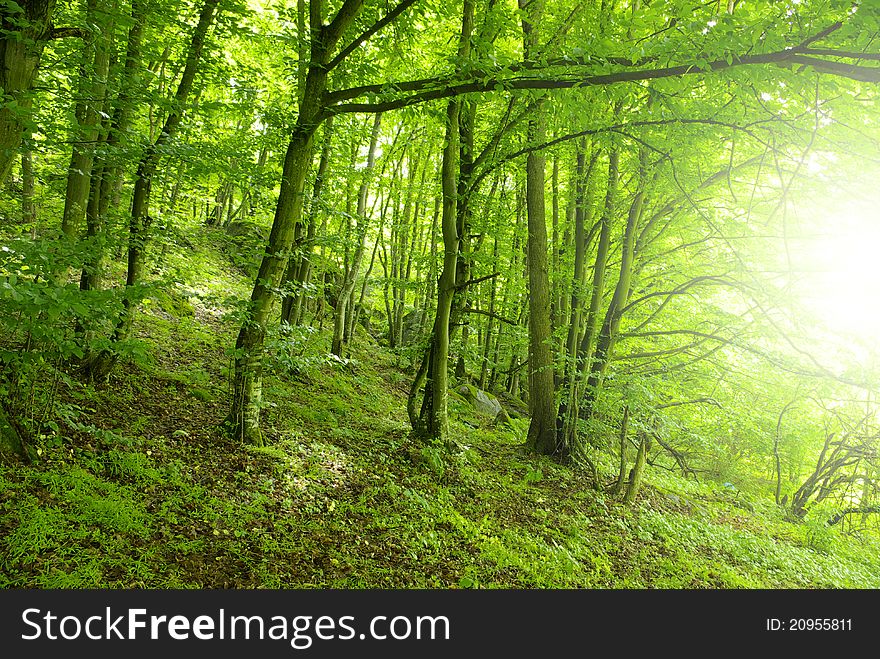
(842, 286)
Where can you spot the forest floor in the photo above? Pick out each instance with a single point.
(142, 489)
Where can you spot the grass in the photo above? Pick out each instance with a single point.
(142, 490)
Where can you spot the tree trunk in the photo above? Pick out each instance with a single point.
(487, 339)
(243, 420)
(24, 28)
(611, 324)
(567, 418)
(299, 267)
(344, 303)
(433, 420)
(621, 474)
(28, 207)
(92, 88)
(106, 176)
(542, 407)
(140, 220)
(635, 477)
(434, 414)
(585, 348)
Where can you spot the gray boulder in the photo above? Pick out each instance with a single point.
(484, 403)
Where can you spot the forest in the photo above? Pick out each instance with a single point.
(424, 294)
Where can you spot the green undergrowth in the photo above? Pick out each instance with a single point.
(141, 489)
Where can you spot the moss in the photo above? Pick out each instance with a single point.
(174, 304)
(202, 394)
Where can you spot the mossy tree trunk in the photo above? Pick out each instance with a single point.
(635, 475)
(433, 419)
(243, 420)
(621, 474)
(94, 70)
(106, 173)
(542, 404)
(299, 269)
(25, 27)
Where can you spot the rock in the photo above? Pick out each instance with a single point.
(412, 325)
(515, 407)
(244, 228)
(482, 402)
(487, 404)
(467, 392)
(502, 418)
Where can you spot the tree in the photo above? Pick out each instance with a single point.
(99, 365)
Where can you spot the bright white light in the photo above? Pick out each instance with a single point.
(843, 282)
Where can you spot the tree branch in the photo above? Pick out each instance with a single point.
(830, 52)
(851, 71)
(490, 83)
(708, 401)
(64, 32)
(369, 32)
(864, 510)
(490, 314)
(332, 33)
(818, 36)
(471, 282)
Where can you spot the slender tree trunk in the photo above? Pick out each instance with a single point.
(343, 302)
(94, 70)
(103, 192)
(621, 474)
(408, 260)
(555, 279)
(566, 422)
(487, 339)
(28, 187)
(434, 411)
(596, 294)
(599, 266)
(96, 208)
(434, 420)
(140, 220)
(611, 324)
(430, 288)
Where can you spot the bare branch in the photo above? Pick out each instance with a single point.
(818, 36)
(490, 314)
(471, 282)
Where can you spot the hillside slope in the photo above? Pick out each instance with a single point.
(141, 488)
